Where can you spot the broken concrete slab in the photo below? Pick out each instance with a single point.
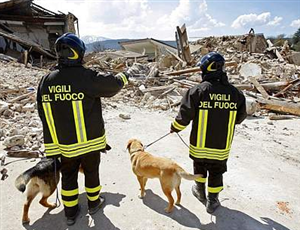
(17, 140)
(250, 70)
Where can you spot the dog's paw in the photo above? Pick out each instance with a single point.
(178, 203)
(52, 205)
(25, 221)
(141, 196)
(168, 210)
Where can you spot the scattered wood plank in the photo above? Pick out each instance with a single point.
(280, 106)
(259, 87)
(186, 82)
(273, 86)
(184, 71)
(166, 92)
(156, 89)
(176, 56)
(194, 69)
(292, 84)
(24, 96)
(183, 48)
(280, 117)
(23, 154)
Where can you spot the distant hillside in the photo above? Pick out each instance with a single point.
(90, 39)
(104, 45)
(114, 44)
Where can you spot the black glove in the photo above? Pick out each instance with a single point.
(107, 148)
(174, 130)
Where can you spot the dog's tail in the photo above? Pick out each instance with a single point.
(23, 179)
(183, 174)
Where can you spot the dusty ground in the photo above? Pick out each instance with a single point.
(262, 186)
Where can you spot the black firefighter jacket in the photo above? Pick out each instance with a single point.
(214, 109)
(69, 106)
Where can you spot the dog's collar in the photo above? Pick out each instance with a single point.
(138, 150)
(134, 153)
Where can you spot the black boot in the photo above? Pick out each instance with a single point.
(212, 202)
(198, 191)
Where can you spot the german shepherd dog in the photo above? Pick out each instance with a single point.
(42, 178)
(145, 165)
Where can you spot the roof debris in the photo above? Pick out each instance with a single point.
(266, 74)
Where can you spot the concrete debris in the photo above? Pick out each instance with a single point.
(20, 126)
(125, 116)
(270, 84)
(4, 173)
(251, 106)
(17, 140)
(250, 70)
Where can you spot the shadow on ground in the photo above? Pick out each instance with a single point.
(98, 221)
(229, 219)
(180, 214)
(223, 218)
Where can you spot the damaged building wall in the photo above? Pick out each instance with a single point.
(32, 23)
(151, 47)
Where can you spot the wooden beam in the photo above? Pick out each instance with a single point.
(195, 69)
(280, 106)
(259, 87)
(184, 47)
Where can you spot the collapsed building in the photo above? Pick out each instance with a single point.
(149, 46)
(29, 31)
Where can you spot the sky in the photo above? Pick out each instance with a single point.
(159, 18)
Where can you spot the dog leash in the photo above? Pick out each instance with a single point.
(57, 200)
(182, 140)
(146, 146)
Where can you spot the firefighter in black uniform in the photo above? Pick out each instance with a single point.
(69, 106)
(214, 107)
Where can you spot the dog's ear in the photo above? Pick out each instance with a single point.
(129, 144)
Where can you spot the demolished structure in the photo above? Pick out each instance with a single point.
(29, 31)
(265, 73)
(149, 46)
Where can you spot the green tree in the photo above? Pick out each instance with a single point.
(296, 37)
(296, 41)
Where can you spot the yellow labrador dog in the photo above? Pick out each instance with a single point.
(145, 165)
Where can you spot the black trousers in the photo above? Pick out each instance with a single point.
(214, 171)
(90, 163)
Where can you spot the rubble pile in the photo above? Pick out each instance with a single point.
(20, 126)
(261, 74)
(269, 83)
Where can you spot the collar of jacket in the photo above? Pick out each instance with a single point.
(218, 76)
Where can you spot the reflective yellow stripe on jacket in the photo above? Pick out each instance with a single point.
(123, 77)
(200, 151)
(79, 121)
(77, 149)
(232, 116)
(71, 150)
(202, 126)
(178, 126)
(50, 121)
